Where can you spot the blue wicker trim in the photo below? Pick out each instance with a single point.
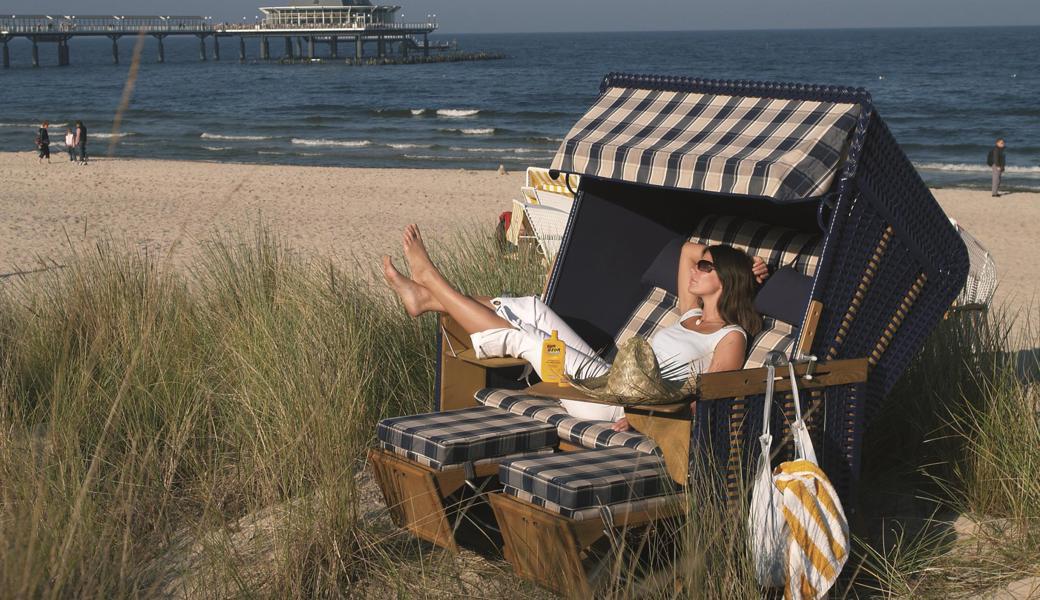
(763, 89)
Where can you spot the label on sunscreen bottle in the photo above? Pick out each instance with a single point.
(553, 352)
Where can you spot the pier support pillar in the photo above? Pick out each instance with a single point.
(202, 48)
(35, 52)
(162, 49)
(299, 47)
(7, 55)
(265, 48)
(241, 48)
(426, 45)
(334, 47)
(216, 48)
(382, 46)
(359, 50)
(310, 47)
(63, 53)
(115, 49)
(288, 48)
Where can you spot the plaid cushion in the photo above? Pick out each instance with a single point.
(542, 408)
(616, 510)
(575, 481)
(778, 246)
(775, 336)
(598, 434)
(587, 434)
(455, 437)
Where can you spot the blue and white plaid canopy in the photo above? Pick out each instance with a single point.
(786, 150)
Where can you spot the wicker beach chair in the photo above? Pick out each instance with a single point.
(807, 177)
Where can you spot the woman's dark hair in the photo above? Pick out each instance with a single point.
(736, 305)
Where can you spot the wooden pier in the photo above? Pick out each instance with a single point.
(310, 27)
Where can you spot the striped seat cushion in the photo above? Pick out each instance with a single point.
(587, 434)
(572, 482)
(456, 437)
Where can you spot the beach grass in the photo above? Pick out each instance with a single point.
(200, 433)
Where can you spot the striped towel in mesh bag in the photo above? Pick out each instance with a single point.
(799, 533)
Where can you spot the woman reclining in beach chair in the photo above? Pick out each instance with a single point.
(716, 292)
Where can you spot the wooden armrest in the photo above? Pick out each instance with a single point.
(470, 356)
(751, 382)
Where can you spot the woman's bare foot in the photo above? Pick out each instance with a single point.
(419, 264)
(417, 300)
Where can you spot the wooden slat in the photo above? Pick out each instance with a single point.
(412, 495)
(542, 546)
(808, 335)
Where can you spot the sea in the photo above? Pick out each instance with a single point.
(947, 94)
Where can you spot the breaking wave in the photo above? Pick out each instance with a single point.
(332, 143)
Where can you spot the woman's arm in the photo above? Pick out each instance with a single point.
(729, 353)
(691, 253)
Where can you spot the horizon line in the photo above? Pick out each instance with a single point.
(744, 29)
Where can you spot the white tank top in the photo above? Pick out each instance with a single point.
(679, 347)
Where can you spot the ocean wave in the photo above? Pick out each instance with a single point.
(332, 143)
(496, 150)
(473, 131)
(417, 111)
(217, 148)
(235, 138)
(433, 157)
(107, 136)
(457, 112)
(971, 168)
(270, 153)
(409, 146)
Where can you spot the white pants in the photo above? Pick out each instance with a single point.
(534, 322)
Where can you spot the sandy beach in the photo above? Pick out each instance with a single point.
(168, 207)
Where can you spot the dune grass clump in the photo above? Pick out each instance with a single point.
(147, 415)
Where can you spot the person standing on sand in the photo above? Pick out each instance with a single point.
(996, 162)
(81, 141)
(70, 144)
(43, 142)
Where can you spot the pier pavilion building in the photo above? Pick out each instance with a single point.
(302, 24)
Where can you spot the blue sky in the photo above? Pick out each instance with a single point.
(487, 16)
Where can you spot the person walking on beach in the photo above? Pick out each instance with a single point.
(70, 144)
(81, 141)
(43, 142)
(996, 161)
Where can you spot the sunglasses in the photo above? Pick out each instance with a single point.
(705, 266)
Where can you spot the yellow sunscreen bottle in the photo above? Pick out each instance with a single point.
(553, 352)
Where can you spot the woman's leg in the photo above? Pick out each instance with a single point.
(416, 298)
(471, 314)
